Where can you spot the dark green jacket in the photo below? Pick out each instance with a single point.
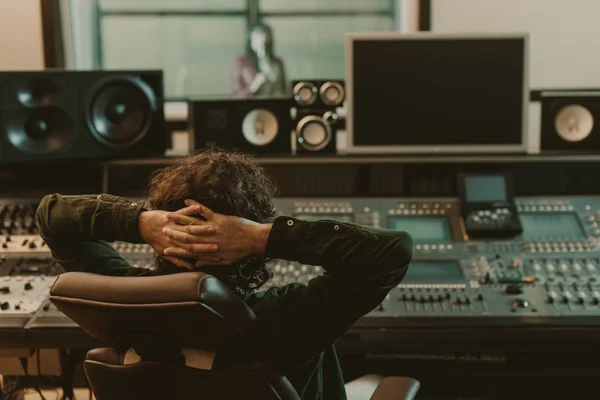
(299, 323)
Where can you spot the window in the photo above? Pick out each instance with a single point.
(196, 42)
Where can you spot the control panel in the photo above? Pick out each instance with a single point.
(21, 297)
(549, 272)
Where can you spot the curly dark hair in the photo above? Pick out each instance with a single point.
(228, 182)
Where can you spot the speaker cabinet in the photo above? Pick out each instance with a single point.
(316, 121)
(571, 122)
(61, 115)
(259, 126)
(318, 94)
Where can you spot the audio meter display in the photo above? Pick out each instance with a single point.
(442, 271)
(423, 229)
(540, 226)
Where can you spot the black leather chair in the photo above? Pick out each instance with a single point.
(181, 336)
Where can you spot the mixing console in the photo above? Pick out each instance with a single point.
(548, 274)
(21, 297)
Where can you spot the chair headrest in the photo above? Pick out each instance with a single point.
(186, 310)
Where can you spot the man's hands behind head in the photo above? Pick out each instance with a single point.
(190, 237)
(151, 225)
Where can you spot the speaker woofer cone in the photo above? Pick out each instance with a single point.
(260, 127)
(574, 123)
(313, 133)
(332, 93)
(40, 130)
(305, 93)
(119, 111)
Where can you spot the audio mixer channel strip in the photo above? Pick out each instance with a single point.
(548, 275)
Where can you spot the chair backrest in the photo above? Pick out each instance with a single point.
(176, 336)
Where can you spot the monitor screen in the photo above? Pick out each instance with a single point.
(485, 188)
(432, 92)
(423, 229)
(443, 271)
(551, 226)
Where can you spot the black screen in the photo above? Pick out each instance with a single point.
(438, 92)
(443, 271)
(422, 230)
(485, 189)
(545, 226)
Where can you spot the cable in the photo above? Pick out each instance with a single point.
(24, 364)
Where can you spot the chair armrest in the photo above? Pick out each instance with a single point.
(396, 388)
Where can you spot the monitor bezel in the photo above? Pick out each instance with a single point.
(352, 38)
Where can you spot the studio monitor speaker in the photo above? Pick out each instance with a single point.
(316, 120)
(571, 121)
(259, 126)
(61, 115)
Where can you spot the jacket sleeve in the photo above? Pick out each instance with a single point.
(361, 266)
(77, 230)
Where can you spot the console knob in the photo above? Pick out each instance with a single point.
(5, 289)
(479, 297)
(28, 286)
(18, 307)
(519, 303)
(32, 245)
(4, 305)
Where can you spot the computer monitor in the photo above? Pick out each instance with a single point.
(436, 93)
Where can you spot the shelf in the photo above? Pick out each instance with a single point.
(400, 159)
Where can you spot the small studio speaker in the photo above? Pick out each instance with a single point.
(571, 121)
(60, 115)
(318, 94)
(316, 120)
(259, 126)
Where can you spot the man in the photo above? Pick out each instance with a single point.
(214, 211)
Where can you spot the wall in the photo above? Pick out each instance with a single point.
(21, 43)
(564, 34)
